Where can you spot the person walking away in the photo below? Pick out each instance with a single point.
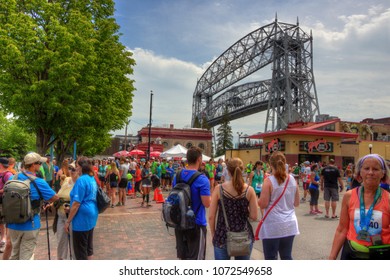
(123, 170)
(62, 211)
(24, 236)
(169, 175)
(191, 244)
(240, 203)
(5, 175)
(146, 183)
(83, 213)
(314, 190)
(281, 226)
(138, 179)
(330, 180)
(365, 214)
(113, 175)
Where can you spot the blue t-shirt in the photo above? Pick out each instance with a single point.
(47, 194)
(200, 187)
(84, 192)
(313, 186)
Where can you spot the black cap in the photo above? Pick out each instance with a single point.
(4, 161)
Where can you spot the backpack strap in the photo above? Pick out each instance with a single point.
(32, 180)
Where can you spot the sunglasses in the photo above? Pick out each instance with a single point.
(39, 163)
(72, 170)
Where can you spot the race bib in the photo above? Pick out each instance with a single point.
(375, 226)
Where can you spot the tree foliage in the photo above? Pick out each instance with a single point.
(14, 141)
(224, 135)
(63, 71)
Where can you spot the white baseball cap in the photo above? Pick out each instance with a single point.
(33, 157)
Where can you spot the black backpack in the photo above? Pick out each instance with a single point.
(177, 209)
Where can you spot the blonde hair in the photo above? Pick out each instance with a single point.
(113, 167)
(235, 167)
(278, 164)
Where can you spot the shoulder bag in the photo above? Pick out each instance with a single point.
(237, 243)
(273, 205)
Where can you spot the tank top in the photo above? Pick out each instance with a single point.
(113, 177)
(313, 186)
(237, 213)
(281, 221)
(380, 219)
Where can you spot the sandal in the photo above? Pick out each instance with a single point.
(335, 217)
(326, 216)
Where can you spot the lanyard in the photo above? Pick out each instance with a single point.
(365, 219)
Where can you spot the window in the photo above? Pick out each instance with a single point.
(201, 146)
(188, 145)
(165, 144)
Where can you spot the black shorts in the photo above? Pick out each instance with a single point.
(123, 183)
(102, 179)
(191, 244)
(83, 244)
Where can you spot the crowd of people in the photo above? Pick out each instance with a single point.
(267, 192)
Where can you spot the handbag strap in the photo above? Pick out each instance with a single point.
(273, 205)
(224, 211)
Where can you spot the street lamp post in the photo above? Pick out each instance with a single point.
(370, 147)
(150, 124)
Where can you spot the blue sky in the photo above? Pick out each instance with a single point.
(173, 42)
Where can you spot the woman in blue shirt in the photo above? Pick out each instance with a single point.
(83, 213)
(314, 190)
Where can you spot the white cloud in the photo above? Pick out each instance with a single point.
(351, 65)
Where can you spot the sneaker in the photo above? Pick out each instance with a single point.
(303, 199)
(118, 204)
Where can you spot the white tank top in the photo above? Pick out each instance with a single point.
(281, 221)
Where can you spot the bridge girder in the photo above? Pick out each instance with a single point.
(290, 95)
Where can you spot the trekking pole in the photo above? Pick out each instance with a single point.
(70, 246)
(47, 231)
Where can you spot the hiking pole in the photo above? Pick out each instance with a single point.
(70, 246)
(47, 231)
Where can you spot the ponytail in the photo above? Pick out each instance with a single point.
(235, 168)
(278, 163)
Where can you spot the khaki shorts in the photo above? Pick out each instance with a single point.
(23, 244)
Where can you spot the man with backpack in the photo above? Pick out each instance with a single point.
(191, 243)
(24, 235)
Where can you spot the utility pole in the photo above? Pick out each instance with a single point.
(150, 124)
(127, 123)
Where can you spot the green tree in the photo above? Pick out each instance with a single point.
(63, 72)
(14, 141)
(224, 135)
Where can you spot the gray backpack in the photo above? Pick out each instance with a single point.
(17, 204)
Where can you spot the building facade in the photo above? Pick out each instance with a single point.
(169, 137)
(345, 142)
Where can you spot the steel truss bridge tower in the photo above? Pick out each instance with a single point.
(289, 96)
